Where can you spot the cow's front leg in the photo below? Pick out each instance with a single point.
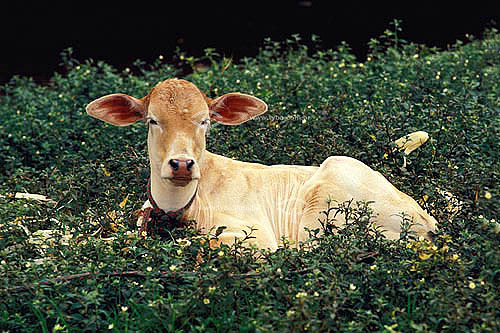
(251, 232)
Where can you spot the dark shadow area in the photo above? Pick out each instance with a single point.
(33, 36)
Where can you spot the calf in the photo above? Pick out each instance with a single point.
(278, 201)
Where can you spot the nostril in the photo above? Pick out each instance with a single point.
(189, 164)
(174, 164)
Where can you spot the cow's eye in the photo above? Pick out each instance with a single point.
(205, 122)
(152, 122)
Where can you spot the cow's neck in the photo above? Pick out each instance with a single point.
(169, 197)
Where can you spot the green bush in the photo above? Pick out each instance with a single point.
(321, 103)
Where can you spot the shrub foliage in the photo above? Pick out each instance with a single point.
(75, 263)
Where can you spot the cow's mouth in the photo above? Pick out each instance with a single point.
(180, 181)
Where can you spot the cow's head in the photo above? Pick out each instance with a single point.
(178, 115)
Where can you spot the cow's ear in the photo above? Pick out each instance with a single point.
(235, 108)
(117, 109)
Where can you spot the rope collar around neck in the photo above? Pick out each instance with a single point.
(159, 222)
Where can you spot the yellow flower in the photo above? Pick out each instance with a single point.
(424, 256)
(173, 268)
(316, 294)
(183, 242)
(472, 285)
(352, 287)
(301, 294)
(487, 195)
(110, 326)
(391, 328)
(124, 202)
(206, 301)
(221, 253)
(149, 268)
(124, 308)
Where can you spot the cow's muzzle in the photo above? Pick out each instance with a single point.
(181, 171)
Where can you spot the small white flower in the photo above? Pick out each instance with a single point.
(58, 327)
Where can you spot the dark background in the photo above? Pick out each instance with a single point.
(33, 35)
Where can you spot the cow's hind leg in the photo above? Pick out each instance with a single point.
(341, 179)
